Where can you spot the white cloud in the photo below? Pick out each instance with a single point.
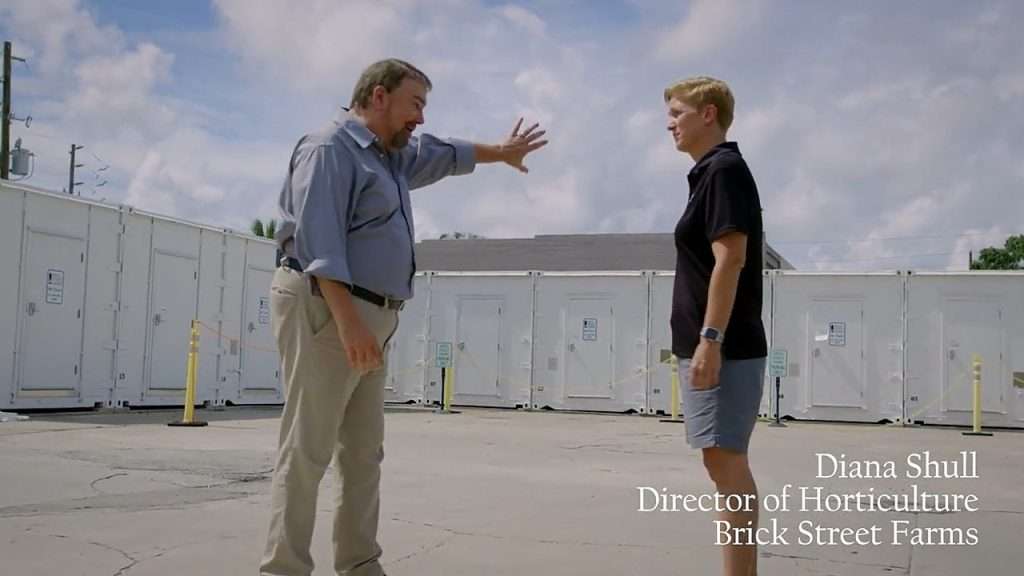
(319, 46)
(869, 151)
(708, 25)
(523, 18)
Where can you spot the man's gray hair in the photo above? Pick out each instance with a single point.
(387, 73)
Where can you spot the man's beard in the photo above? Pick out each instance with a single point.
(400, 139)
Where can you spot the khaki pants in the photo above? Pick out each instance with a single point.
(330, 411)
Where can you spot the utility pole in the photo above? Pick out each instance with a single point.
(5, 116)
(5, 139)
(71, 171)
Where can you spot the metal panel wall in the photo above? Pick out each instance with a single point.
(260, 377)
(590, 342)
(407, 357)
(488, 319)
(52, 298)
(844, 338)
(173, 300)
(224, 334)
(659, 387)
(212, 282)
(951, 318)
(103, 271)
(12, 202)
(133, 321)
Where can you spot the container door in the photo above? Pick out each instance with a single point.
(173, 307)
(972, 327)
(478, 346)
(260, 365)
(589, 330)
(836, 372)
(53, 294)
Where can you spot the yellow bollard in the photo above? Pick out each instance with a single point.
(976, 404)
(675, 391)
(191, 370)
(449, 388)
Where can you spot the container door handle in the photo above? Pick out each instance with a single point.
(30, 309)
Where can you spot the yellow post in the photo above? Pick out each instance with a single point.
(976, 403)
(449, 387)
(675, 388)
(674, 411)
(191, 370)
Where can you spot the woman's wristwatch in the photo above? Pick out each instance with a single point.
(712, 334)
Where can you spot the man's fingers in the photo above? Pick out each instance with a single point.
(536, 145)
(530, 129)
(530, 137)
(519, 124)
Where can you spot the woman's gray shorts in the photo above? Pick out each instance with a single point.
(723, 416)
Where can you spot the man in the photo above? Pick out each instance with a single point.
(716, 303)
(347, 263)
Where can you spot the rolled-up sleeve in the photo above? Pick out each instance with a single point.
(433, 158)
(322, 187)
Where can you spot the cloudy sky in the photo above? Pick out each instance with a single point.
(883, 135)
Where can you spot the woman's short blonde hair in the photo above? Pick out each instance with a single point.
(700, 91)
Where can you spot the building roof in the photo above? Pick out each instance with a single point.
(559, 252)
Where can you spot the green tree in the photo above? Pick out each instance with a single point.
(1009, 257)
(264, 230)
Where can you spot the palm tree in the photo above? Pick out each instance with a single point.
(264, 230)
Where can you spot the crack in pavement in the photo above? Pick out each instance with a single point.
(135, 502)
(498, 537)
(108, 477)
(422, 550)
(766, 554)
(132, 561)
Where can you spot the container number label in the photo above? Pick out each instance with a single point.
(590, 329)
(264, 311)
(54, 286)
(837, 333)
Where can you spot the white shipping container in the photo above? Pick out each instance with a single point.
(488, 320)
(843, 334)
(99, 308)
(951, 318)
(407, 356)
(590, 341)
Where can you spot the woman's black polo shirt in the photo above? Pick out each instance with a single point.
(723, 198)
